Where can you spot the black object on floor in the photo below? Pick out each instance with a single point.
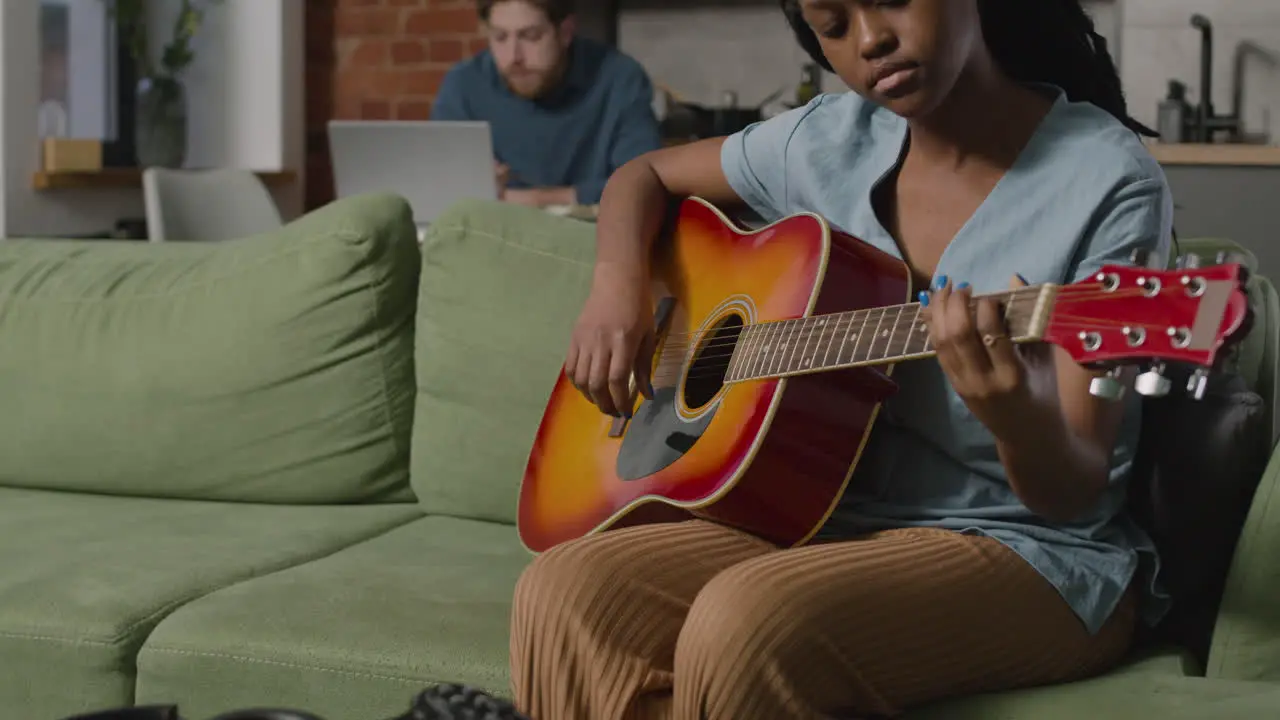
(458, 702)
(442, 702)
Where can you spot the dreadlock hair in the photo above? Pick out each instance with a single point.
(1048, 41)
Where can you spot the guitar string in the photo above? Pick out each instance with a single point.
(675, 354)
(714, 366)
(839, 320)
(892, 346)
(1071, 293)
(718, 369)
(1010, 294)
(812, 323)
(802, 336)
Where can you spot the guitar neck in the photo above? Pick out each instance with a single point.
(875, 336)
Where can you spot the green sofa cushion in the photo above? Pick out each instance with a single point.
(501, 288)
(85, 578)
(352, 636)
(429, 602)
(1246, 640)
(1127, 694)
(275, 368)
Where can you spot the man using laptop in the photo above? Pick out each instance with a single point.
(565, 111)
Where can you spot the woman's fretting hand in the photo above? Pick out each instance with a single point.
(1001, 388)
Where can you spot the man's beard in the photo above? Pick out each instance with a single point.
(532, 86)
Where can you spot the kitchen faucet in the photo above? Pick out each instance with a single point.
(1204, 123)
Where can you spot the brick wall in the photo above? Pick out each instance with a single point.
(377, 60)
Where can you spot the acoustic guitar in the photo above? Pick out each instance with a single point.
(775, 351)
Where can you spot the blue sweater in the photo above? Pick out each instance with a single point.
(600, 117)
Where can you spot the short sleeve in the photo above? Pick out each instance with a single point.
(1137, 216)
(754, 160)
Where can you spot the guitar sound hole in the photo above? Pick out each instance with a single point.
(711, 362)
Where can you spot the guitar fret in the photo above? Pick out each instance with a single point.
(768, 346)
(849, 319)
(749, 354)
(796, 340)
(875, 334)
(798, 345)
(889, 334)
(781, 332)
(918, 329)
(897, 344)
(804, 334)
(815, 331)
(753, 351)
(780, 355)
(860, 337)
(760, 346)
(784, 347)
(735, 355)
(833, 331)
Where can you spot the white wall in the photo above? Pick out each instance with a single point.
(1161, 45)
(701, 52)
(246, 110)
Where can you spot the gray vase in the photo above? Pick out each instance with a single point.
(160, 129)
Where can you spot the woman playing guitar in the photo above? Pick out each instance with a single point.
(982, 544)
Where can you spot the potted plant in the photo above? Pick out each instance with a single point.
(160, 131)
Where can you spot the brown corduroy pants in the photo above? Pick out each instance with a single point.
(694, 620)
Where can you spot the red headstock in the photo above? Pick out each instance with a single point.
(1125, 315)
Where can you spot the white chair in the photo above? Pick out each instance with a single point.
(205, 205)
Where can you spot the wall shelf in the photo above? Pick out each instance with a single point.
(127, 178)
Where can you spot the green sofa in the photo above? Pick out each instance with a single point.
(282, 471)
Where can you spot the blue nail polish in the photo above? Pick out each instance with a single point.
(924, 299)
(942, 282)
(1024, 280)
(962, 286)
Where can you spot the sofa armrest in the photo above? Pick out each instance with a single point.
(1246, 637)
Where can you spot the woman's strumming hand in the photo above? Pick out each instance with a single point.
(1001, 387)
(614, 338)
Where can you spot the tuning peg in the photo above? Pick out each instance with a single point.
(1190, 261)
(1198, 383)
(1153, 383)
(1107, 387)
(1140, 256)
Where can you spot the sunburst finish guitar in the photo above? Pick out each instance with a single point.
(775, 351)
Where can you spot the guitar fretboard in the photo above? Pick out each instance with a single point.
(850, 339)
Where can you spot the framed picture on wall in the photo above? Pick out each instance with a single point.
(87, 78)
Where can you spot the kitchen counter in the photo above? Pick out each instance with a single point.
(1229, 154)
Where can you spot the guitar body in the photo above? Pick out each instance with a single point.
(769, 456)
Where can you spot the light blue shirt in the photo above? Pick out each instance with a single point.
(1084, 192)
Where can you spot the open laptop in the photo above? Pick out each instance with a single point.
(432, 164)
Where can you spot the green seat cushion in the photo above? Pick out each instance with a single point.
(275, 368)
(85, 578)
(501, 288)
(1127, 694)
(354, 635)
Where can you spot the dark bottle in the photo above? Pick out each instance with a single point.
(1173, 113)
